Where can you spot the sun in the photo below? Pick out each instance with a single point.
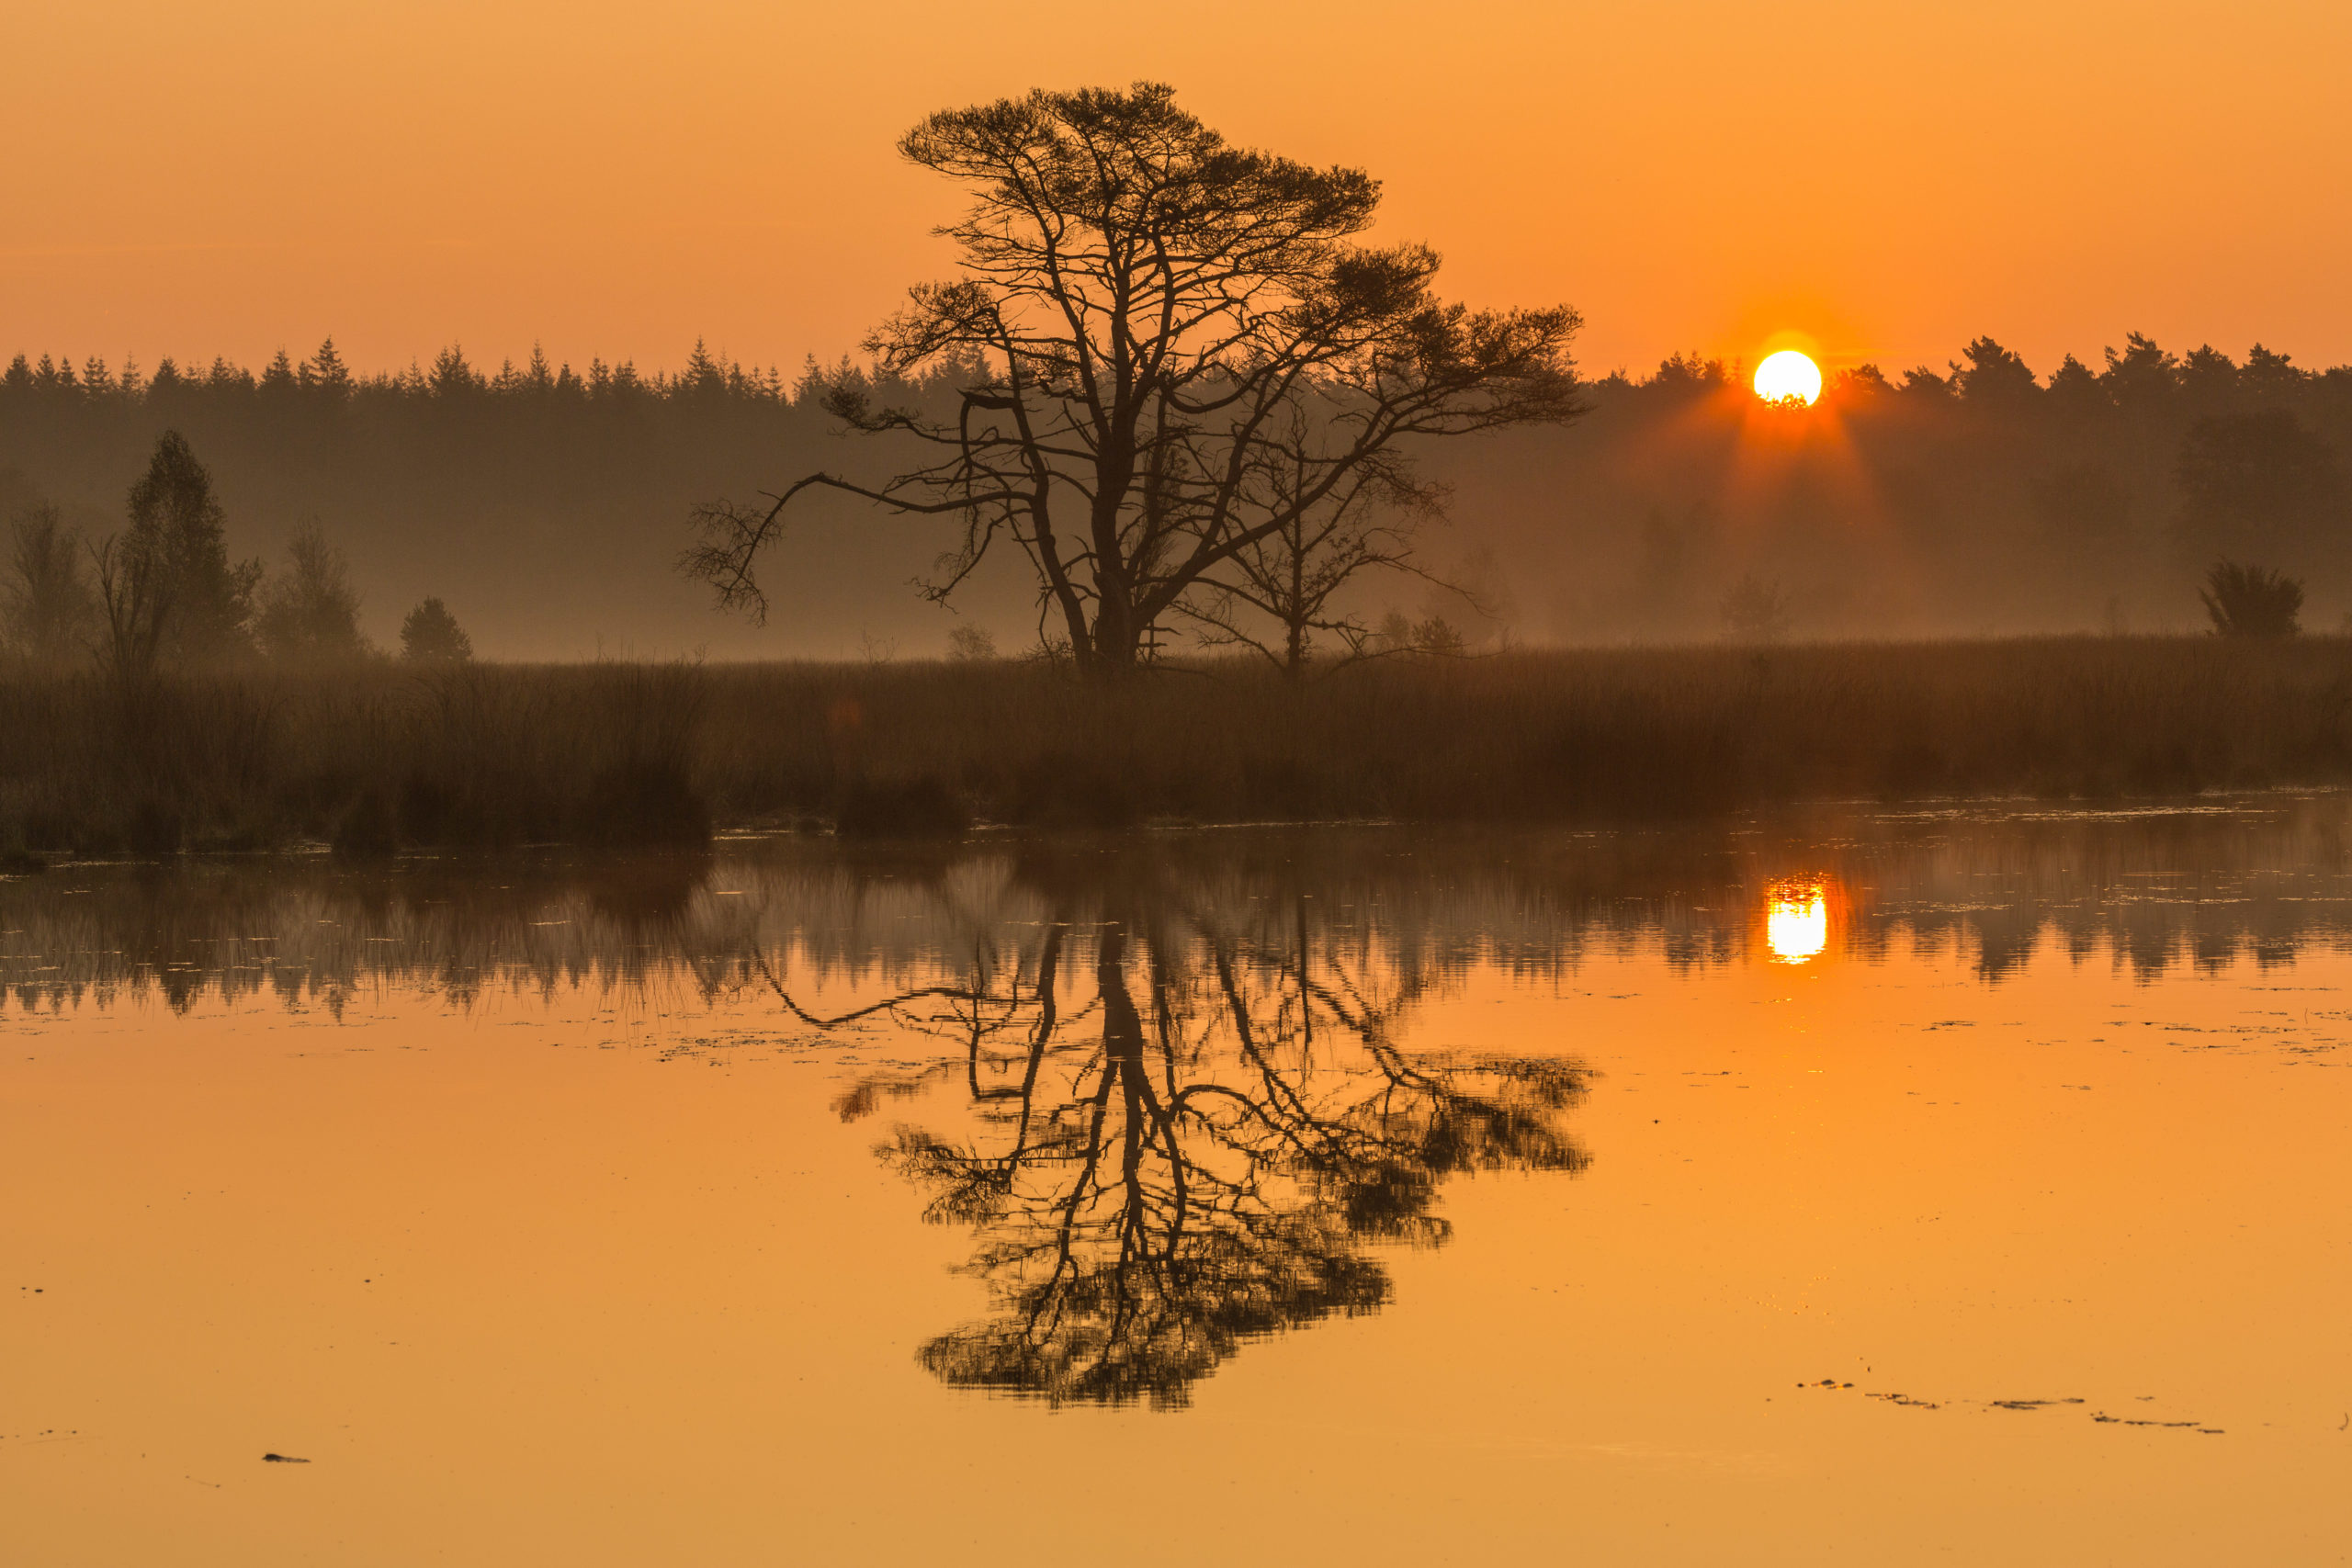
(1788, 377)
(1796, 921)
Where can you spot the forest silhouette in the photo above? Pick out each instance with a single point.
(545, 505)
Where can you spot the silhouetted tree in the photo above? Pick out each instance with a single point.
(1175, 350)
(971, 645)
(48, 612)
(1923, 386)
(326, 375)
(2143, 376)
(1437, 635)
(1864, 380)
(167, 586)
(2074, 389)
(451, 377)
(1992, 376)
(2210, 382)
(430, 634)
(2267, 376)
(135, 596)
(310, 615)
(2247, 601)
(1276, 593)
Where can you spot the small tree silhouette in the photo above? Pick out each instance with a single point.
(971, 645)
(165, 583)
(2247, 601)
(47, 610)
(310, 615)
(431, 635)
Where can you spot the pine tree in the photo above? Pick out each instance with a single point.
(451, 376)
(430, 634)
(279, 379)
(327, 373)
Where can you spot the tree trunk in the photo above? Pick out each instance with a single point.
(1116, 642)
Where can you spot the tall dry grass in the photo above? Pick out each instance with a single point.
(634, 753)
(368, 758)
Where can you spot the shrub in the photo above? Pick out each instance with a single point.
(2247, 601)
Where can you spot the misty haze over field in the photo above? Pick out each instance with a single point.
(548, 506)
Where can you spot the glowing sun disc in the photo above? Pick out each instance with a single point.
(1788, 374)
(1796, 924)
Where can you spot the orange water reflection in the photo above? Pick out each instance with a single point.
(528, 1208)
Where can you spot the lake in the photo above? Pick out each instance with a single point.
(1865, 1185)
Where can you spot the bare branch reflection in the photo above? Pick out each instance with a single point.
(1201, 1152)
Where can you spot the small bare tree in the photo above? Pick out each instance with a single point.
(47, 611)
(1274, 594)
(971, 645)
(310, 615)
(1168, 351)
(136, 600)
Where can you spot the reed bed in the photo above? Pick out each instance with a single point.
(375, 757)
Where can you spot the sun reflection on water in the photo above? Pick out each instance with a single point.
(1796, 921)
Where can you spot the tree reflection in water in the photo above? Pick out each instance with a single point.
(1195, 1144)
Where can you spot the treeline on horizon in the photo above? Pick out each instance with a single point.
(1983, 499)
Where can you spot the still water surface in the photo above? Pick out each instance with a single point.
(1858, 1186)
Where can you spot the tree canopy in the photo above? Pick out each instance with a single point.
(1168, 351)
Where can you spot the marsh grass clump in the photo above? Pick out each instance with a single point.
(601, 753)
(641, 782)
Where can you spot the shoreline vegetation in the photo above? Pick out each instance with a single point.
(378, 758)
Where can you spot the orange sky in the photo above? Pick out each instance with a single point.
(232, 175)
